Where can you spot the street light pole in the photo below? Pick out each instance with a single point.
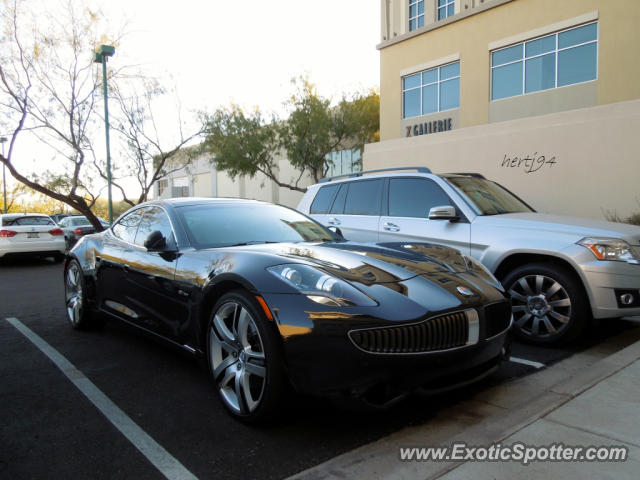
(101, 57)
(4, 178)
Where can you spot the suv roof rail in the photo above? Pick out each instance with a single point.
(359, 174)
(469, 174)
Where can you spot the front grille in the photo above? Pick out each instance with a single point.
(497, 318)
(438, 333)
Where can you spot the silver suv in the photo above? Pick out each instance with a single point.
(559, 270)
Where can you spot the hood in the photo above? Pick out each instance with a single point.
(369, 263)
(560, 224)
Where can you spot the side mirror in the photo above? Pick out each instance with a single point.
(446, 212)
(155, 242)
(338, 232)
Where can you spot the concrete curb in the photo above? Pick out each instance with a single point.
(490, 417)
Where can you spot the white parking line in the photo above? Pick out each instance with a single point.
(524, 361)
(154, 452)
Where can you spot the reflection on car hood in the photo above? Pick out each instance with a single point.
(370, 263)
(560, 224)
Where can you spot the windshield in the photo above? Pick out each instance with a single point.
(488, 198)
(80, 221)
(31, 220)
(212, 225)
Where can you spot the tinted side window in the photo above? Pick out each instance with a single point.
(414, 197)
(126, 228)
(338, 203)
(154, 219)
(322, 202)
(363, 198)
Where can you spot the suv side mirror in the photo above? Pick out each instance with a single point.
(446, 212)
(155, 242)
(338, 232)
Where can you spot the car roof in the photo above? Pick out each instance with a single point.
(184, 201)
(16, 215)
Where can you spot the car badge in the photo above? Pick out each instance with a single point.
(467, 292)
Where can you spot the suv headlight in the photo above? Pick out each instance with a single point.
(320, 286)
(609, 249)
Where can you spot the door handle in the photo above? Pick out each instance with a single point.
(391, 227)
(125, 267)
(334, 221)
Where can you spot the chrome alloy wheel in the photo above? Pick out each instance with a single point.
(541, 305)
(236, 356)
(73, 293)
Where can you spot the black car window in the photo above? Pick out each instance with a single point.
(154, 219)
(363, 198)
(211, 225)
(29, 221)
(322, 202)
(126, 228)
(414, 197)
(338, 203)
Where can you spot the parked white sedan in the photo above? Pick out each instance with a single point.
(30, 234)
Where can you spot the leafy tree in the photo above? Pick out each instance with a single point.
(245, 144)
(48, 87)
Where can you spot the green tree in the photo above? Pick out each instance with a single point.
(245, 144)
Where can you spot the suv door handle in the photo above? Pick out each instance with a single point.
(334, 221)
(391, 227)
(125, 267)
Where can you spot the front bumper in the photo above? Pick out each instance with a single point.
(606, 282)
(322, 359)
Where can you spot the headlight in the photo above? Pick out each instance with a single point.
(321, 287)
(609, 249)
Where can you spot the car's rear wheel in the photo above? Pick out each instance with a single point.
(78, 314)
(549, 303)
(244, 358)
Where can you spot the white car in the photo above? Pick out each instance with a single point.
(30, 234)
(559, 270)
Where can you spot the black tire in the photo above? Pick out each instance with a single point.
(238, 356)
(550, 305)
(78, 314)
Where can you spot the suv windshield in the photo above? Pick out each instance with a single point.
(486, 197)
(212, 225)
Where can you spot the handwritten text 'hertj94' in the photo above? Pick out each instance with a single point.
(530, 163)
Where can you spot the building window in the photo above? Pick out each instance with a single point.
(431, 91)
(416, 14)
(162, 186)
(180, 187)
(344, 161)
(446, 8)
(556, 60)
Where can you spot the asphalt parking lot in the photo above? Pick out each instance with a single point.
(49, 429)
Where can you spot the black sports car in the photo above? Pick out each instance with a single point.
(270, 298)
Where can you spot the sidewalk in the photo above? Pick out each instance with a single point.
(589, 399)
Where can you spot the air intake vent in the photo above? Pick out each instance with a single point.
(439, 333)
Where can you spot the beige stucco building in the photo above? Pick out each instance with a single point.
(540, 95)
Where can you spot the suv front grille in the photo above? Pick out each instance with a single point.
(439, 333)
(497, 318)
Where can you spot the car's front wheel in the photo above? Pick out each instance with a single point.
(78, 314)
(549, 303)
(244, 358)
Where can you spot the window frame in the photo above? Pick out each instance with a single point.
(418, 15)
(445, 7)
(420, 87)
(556, 51)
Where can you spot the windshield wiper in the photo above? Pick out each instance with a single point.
(250, 242)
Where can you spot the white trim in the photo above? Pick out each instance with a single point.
(431, 64)
(542, 31)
